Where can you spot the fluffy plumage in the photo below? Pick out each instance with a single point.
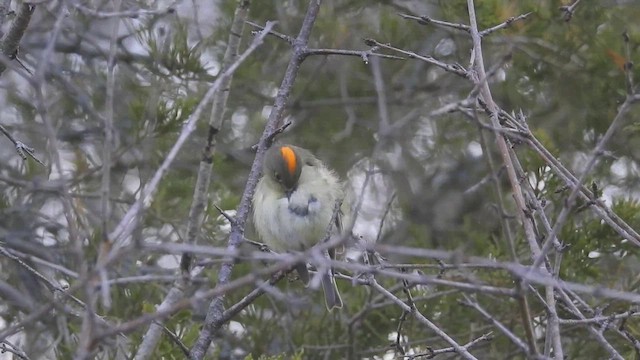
(293, 205)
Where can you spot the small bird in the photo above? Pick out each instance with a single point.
(293, 206)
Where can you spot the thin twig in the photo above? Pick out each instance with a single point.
(216, 308)
(460, 350)
(127, 223)
(11, 40)
(480, 79)
(576, 187)
(504, 24)
(455, 68)
(569, 10)
(468, 301)
(426, 20)
(21, 148)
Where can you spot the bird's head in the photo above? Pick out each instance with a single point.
(283, 165)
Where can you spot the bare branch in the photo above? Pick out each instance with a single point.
(364, 54)
(134, 14)
(568, 11)
(11, 40)
(7, 346)
(126, 225)
(468, 301)
(426, 20)
(576, 187)
(460, 350)
(504, 24)
(22, 149)
(215, 312)
(455, 68)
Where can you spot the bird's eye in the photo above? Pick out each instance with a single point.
(277, 176)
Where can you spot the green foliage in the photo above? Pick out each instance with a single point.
(176, 54)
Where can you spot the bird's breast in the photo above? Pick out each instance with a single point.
(301, 209)
(294, 223)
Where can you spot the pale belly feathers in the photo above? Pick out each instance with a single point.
(299, 222)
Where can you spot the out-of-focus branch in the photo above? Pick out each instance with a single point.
(596, 333)
(218, 110)
(5, 7)
(86, 343)
(6, 346)
(8, 49)
(22, 148)
(120, 234)
(53, 287)
(11, 40)
(194, 224)
(523, 300)
(569, 10)
(134, 14)
(89, 51)
(285, 261)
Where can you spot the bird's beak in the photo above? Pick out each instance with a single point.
(288, 192)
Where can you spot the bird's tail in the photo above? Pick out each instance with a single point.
(331, 294)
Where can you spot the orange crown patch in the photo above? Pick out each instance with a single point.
(289, 159)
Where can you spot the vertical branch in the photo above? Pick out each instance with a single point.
(153, 334)
(218, 109)
(216, 309)
(88, 325)
(383, 111)
(105, 190)
(480, 79)
(8, 49)
(552, 336)
(128, 221)
(523, 301)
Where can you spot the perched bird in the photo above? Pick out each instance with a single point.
(293, 206)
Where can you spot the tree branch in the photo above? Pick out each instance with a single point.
(11, 41)
(216, 309)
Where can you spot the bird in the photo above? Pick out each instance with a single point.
(293, 207)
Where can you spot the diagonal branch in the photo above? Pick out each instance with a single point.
(216, 309)
(127, 223)
(11, 41)
(21, 148)
(480, 79)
